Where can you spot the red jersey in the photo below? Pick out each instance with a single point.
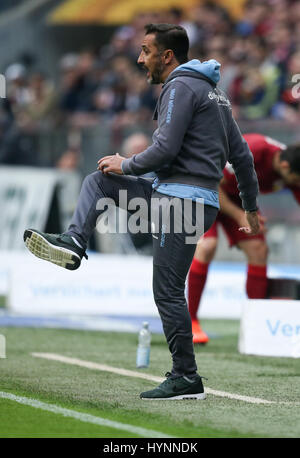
(263, 149)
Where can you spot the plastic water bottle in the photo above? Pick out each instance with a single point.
(143, 349)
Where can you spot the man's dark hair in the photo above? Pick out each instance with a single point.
(170, 36)
(292, 156)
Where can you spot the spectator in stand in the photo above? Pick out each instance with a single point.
(255, 86)
(78, 88)
(19, 143)
(135, 144)
(42, 100)
(69, 160)
(27, 104)
(17, 89)
(255, 19)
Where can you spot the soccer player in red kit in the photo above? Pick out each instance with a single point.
(277, 167)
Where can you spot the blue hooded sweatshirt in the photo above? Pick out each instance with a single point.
(210, 69)
(195, 137)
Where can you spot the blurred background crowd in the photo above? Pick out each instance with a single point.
(101, 85)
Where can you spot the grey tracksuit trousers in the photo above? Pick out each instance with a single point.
(172, 256)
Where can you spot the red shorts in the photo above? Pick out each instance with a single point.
(231, 229)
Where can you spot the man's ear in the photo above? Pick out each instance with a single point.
(169, 56)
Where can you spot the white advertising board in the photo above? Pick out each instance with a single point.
(106, 284)
(25, 197)
(224, 292)
(270, 328)
(112, 284)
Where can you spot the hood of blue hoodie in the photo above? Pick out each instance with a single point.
(209, 68)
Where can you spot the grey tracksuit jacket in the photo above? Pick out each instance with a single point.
(196, 136)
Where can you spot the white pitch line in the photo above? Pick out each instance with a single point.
(128, 373)
(87, 418)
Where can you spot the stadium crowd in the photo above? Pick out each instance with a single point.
(259, 54)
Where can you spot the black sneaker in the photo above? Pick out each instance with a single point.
(60, 249)
(177, 388)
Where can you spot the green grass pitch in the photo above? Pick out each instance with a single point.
(116, 397)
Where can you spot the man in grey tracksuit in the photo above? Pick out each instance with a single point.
(196, 136)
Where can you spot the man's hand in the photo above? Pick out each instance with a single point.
(231, 209)
(255, 224)
(243, 223)
(111, 164)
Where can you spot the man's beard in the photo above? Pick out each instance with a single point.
(155, 76)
